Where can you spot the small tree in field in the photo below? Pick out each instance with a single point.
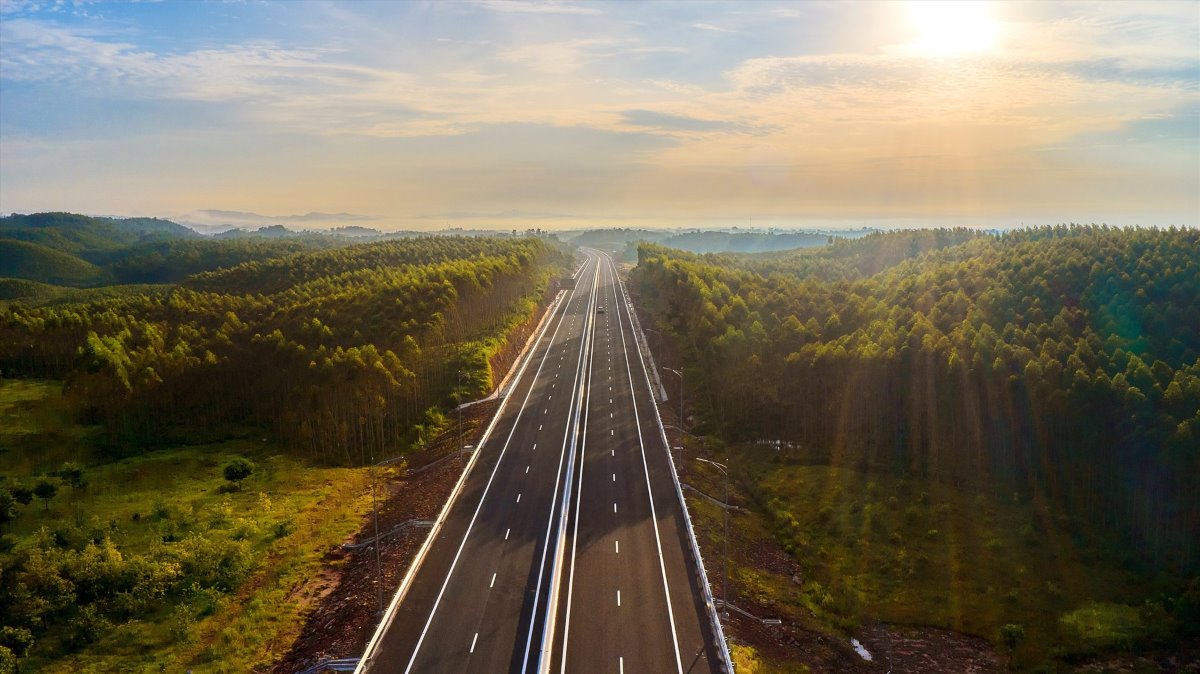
(45, 490)
(8, 507)
(71, 474)
(1011, 635)
(238, 470)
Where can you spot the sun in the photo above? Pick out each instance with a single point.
(952, 27)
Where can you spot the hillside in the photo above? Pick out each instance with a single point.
(1038, 383)
(313, 367)
(87, 236)
(35, 262)
(744, 242)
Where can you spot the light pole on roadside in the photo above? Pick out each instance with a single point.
(378, 554)
(681, 424)
(725, 574)
(458, 404)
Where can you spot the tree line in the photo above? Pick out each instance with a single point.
(1062, 363)
(343, 354)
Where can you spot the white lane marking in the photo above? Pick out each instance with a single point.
(621, 660)
(617, 546)
(649, 493)
(618, 597)
(545, 410)
(612, 431)
(526, 470)
(614, 477)
(614, 507)
(550, 397)
(578, 499)
(483, 497)
(474, 640)
(493, 583)
(518, 498)
(539, 427)
(535, 445)
(610, 415)
(583, 374)
(614, 452)
(506, 533)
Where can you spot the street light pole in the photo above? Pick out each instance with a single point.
(378, 554)
(681, 424)
(725, 574)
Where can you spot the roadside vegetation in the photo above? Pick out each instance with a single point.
(177, 460)
(151, 562)
(990, 434)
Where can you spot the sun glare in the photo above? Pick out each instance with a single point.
(952, 27)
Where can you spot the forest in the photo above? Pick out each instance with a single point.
(311, 358)
(346, 353)
(1059, 365)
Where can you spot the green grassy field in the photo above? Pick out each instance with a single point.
(877, 548)
(170, 505)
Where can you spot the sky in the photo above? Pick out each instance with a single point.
(506, 113)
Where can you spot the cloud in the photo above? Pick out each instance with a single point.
(216, 217)
(558, 58)
(711, 27)
(518, 7)
(669, 122)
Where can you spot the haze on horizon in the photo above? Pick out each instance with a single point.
(500, 113)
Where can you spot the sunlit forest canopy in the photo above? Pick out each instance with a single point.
(1062, 363)
(343, 354)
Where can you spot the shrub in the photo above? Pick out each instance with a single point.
(238, 469)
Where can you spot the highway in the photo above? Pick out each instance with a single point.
(566, 548)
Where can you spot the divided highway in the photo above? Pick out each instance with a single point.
(566, 549)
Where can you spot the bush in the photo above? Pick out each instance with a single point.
(238, 469)
(1101, 625)
(17, 640)
(8, 661)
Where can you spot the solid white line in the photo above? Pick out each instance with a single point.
(405, 584)
(662, 564)
(574, 409)
(621, 660)
(473, 642)
(493, 583)
(575, 534)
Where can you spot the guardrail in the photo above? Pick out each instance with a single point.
(519, 365)
(709, 601)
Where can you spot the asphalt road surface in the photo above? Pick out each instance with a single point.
(566, 549)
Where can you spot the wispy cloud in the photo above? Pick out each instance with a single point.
(513, 108)
(672, 123)
(521, 7)
(712, 28)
